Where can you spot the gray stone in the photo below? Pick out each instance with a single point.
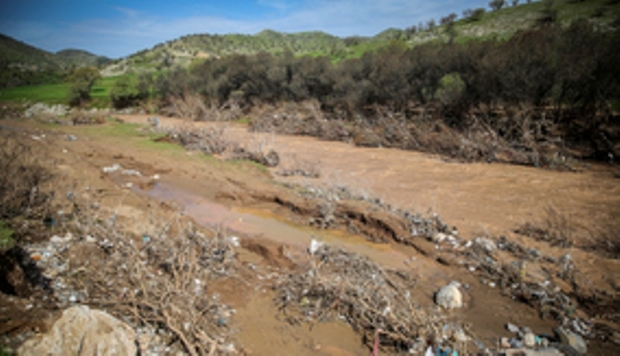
(572, 339)
(486, 244)
(449, 296)
(84, 332)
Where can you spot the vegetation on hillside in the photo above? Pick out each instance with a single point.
(541, 83)
(22, 64)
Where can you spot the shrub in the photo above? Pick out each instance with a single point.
(126, 91)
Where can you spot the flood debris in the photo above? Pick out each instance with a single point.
(212, 141)
(337, 284)
(159, 283)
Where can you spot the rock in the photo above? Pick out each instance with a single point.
(572, 339)
(83, 331)
(486, 244)
(450, 296)
(529, 339)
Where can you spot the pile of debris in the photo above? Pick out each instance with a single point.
(342, 285)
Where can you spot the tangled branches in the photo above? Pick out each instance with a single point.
(339, 284)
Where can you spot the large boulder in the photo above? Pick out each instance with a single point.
(450, 296)
(84, 332)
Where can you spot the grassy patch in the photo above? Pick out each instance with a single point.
(6, 236)
(138, 135)
(244, 120)
(47, 93)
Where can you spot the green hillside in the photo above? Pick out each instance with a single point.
(500, 24)
(15, 54)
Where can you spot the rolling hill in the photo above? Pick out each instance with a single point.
(499, 24)
(23, 64)
(78, 58)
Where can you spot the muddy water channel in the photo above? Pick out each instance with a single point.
(262, 224)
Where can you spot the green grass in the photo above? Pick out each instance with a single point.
(6, 236)
(136, 132)
(57, 93)
(47, 93)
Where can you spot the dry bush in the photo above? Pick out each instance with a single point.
(209, 140)
(22, 179)
(301, 167)
(192, 106)
(188, 106)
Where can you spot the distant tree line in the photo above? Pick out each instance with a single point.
(573, 70)
(519, 92)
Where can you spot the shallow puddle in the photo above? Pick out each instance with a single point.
(259, 223)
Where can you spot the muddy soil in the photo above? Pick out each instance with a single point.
(479, 199)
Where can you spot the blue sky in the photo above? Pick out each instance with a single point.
(117, 28)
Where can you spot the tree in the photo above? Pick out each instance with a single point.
(496, 4)
(448, 19)
(81, 81)
(127, 90)
(515, 2)
(473, 15)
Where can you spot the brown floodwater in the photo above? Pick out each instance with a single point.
(478, 198)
